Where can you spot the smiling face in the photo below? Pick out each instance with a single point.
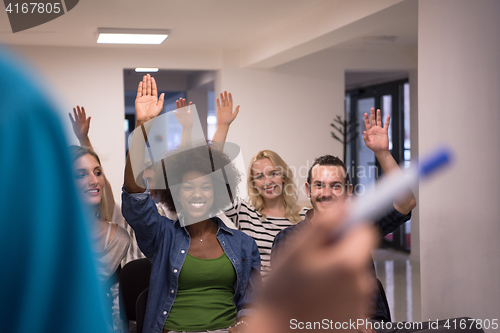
(196, 196)
(267, 179)
(327, 188)
(89, 179)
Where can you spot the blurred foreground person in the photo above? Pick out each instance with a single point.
(49, 281)
(328, 186)
(298, 293)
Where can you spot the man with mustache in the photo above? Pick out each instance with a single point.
(328, 186)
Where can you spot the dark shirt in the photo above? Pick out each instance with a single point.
(387, 224)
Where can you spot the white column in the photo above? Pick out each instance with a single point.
(459, 104)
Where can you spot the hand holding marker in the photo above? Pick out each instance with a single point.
(372, 205)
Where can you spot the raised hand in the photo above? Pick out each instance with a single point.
(81, 124)
(376, 137)
(225, 113)
(183, 113)
(147, 103)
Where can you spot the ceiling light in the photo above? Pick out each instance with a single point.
(131, 36)
(146, 69)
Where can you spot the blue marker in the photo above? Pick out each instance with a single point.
(376, 202)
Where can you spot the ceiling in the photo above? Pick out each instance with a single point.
(194, 23)
(268, 32)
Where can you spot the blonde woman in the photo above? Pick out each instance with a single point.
(272, 191)
(272, 204)
(111, 241)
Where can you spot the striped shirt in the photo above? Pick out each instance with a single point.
(263, 230)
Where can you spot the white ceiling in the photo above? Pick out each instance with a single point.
(194, 23)
(268, 32)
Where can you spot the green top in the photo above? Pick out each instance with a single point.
(205, 296)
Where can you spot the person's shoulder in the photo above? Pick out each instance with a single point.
(394, 215)
(237, 239)
(248, 207)
(121, 237)
(120, 232)
(295, 227)
(243, 209)
(288, 231)
(240, 236)
(284, 236)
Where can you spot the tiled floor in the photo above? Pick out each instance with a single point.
(401, 280)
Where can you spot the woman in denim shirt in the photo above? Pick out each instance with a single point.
(203, 275)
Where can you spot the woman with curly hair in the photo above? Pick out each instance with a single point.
(203, 274)
(273, 194)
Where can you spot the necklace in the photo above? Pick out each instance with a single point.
(201, 239)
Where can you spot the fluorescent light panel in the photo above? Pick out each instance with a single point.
(131, 36)
(146, 70)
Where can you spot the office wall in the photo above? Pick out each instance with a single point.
(459, 77)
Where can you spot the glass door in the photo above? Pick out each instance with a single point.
(392, 99)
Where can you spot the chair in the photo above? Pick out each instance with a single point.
(134, 278)
(140, 309)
